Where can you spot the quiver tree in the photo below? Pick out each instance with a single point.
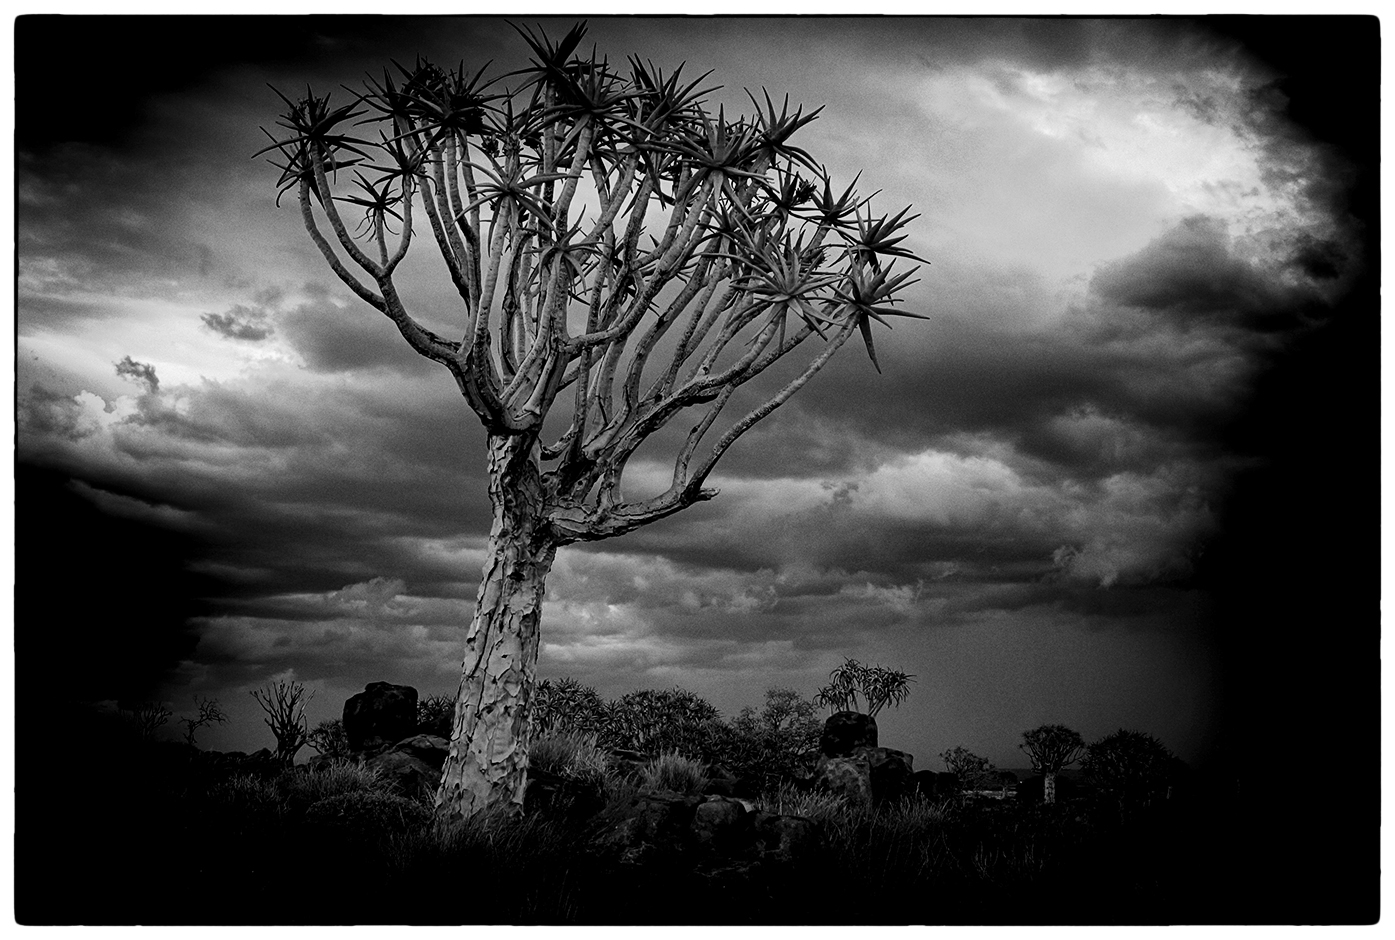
(877, 686)
(284, 703)
(328, 738)
(567, 707)
(652, 721)
(1050, 748)
(623, 260)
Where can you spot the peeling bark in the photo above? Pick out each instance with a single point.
(488, 760)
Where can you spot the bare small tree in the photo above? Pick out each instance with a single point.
(209, 712)
(147, 718)
(284, 703)
(878, 687)
(971, 770)
(539, 198)
(1050, 748)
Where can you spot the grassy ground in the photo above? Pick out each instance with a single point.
(142, 838)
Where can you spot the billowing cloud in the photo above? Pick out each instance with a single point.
(239, 322)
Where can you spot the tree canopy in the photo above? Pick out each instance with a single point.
(614, 245)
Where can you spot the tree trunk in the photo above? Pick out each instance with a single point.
(488, 759)
(1048, 787)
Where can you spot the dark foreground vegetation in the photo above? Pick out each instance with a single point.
(142, 832)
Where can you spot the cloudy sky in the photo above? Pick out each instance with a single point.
(1114, 480)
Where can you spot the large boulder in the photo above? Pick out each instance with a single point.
(650, 825)
(380, 715)
(407, 775)
(848, 777)
(844, 732)
(889, 771)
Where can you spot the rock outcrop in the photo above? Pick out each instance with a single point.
(716, 833)
(851, 764)
(381, 715)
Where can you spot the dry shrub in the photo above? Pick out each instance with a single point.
(673, 771)
(573, 756)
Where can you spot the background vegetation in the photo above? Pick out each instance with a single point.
(169, 834)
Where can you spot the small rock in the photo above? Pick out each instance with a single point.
(784, 837)
(408, 775)
(427, 748)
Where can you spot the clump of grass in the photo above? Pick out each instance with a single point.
(368, 814)
(250, 805)
(818, 805)
(531, 868)
(247, 802)
(672, 771)
(574, 756)
(305, 788)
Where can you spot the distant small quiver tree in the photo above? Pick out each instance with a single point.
(854, 686)
(284, 703)
(1051, 748)
(623, 258)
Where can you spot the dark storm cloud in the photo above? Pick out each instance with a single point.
(1066, 406)
(106, 599)
(239, 322)
(335, 339)
(1192, 275)
(1146, 372)
(142, 373)
(104, 220)
(155, 56)
(60, 312)
(290, 492)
